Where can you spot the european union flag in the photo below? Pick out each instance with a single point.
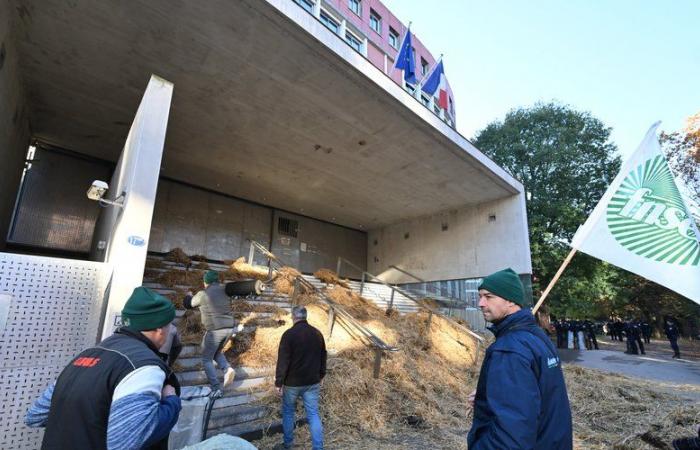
(405, 60)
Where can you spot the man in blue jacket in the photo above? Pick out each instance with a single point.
(520, 401)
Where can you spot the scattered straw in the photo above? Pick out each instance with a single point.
(330, 277)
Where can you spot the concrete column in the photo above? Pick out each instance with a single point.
(14, 121)
(343, 28)
(126, 230)
(365, 43)
(317, 9)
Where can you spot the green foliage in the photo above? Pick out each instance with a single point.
(565, 161)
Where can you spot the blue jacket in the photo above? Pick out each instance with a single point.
(521, 400)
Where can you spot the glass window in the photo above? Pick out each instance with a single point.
(393, 38)
(353, 41)
(375, 21)
(423, 66)
(425, 99)
(330, 22)
(306, 4)
(355, 6)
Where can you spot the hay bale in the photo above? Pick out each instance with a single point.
(330, 277)
(241, 270)
(284, 280)
(177, 255)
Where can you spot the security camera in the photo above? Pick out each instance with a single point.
(97, 190)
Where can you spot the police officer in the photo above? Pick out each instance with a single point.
(672, 333)
(589, 330)
(646, 331)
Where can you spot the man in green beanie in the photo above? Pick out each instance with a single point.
(118, 394)
(520, 400)
(217, 319)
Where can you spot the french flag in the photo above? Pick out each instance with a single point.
(436, 85)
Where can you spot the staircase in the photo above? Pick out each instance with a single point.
(236, 413)
(376, 292)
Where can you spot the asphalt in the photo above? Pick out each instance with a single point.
(676, 375)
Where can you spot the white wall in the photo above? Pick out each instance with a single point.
(14, 121)
(472, 245)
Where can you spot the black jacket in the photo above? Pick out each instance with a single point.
(301, 359)
(82, 397)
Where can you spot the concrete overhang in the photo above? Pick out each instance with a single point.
(268, 106)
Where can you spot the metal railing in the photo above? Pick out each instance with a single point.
(431, 311)
(335, 311)
(430, 291)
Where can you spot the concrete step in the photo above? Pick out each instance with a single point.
(246, 377)
(252, 431)
(235, 415)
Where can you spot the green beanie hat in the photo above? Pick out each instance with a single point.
(146, 310)
(506, 284)
(211, 276)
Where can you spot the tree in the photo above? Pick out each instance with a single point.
(682, 150)
(565, 160)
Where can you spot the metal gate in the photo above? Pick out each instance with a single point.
(50, 310)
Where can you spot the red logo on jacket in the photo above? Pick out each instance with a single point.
(86, 362)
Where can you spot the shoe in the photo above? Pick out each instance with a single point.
(216, 393)
(229, 376)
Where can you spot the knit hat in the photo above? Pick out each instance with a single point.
(146, 310)
(211, 276)
(505, 284)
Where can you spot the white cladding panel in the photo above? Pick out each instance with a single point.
(53, 311)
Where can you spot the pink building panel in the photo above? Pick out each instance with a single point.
(380, 41)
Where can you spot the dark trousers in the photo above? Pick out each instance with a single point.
(591, 341)
(647, 338)
(674, 346)
(561, 339)
(634, 345)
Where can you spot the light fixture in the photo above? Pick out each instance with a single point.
(98, 189)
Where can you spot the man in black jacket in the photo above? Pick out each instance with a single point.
(301, 365)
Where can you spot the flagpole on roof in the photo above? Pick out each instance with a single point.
(430, 72)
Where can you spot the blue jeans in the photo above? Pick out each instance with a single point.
(310, 396)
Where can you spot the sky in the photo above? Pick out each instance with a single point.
(629, 63)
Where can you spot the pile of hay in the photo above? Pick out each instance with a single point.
(241, 270)
(177, 255)
(284, 280)
(422, 388)
(613, 411)
(330, 277)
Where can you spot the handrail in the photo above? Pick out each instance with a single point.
(431, 310)
(348, 322)
(435, 290)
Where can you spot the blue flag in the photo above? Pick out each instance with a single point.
(431, 84)
(405, 60)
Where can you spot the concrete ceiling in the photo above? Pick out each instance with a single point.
(262, 109)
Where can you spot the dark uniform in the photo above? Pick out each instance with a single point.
(589, 332)
(634, 339)
(646, 331)
(672, 333)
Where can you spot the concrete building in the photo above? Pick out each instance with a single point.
(286, 126)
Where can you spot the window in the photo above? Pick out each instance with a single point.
(393, 38)
(330, 22)
(423, 66)
(287, 227)
(375, 21)
(355, 6)
(410, 88)
(353, 41)
(306, 4)
(425, 99)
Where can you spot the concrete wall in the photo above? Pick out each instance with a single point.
(464, 243)
(206, 223)
(14, 121)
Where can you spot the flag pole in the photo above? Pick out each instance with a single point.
(554, 280)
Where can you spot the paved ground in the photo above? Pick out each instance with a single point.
(679, 376)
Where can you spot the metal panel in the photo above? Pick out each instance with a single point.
(53, 210)
(55, 310)
(205, 223)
